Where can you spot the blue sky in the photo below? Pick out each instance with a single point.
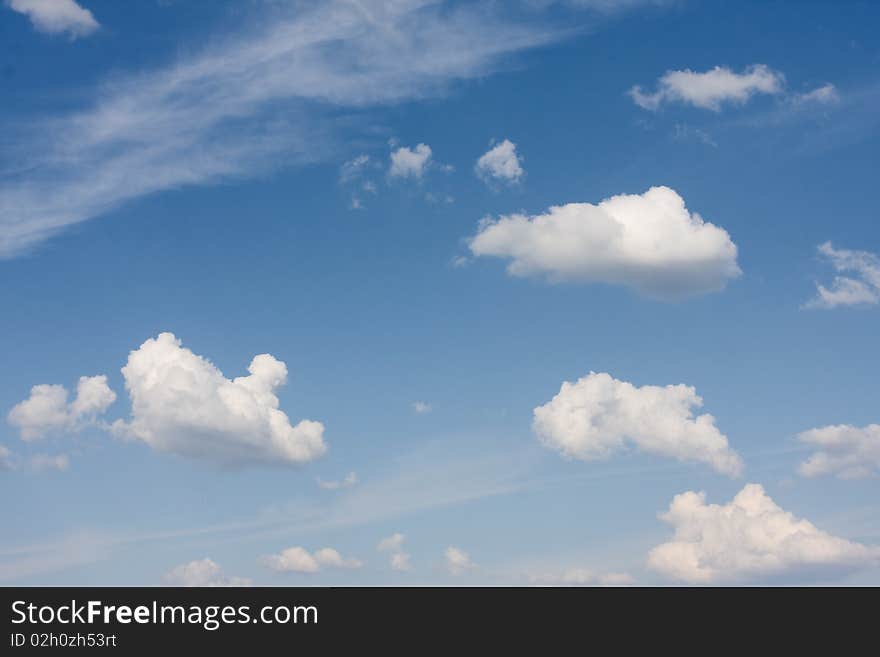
(247, 176)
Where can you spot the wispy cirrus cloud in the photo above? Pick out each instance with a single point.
(351, 479)
(420, 481)
(249, 102)
(862, 287)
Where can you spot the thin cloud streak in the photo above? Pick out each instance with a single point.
(244, 105)
(421, 481)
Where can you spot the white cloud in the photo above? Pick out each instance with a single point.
(354, 168)
(433, 475)
(501, 162)
(351, 479)
(649, 242)
(393, 543)
(299, 560)
(750, 539)
(59, 462)
(353, 171)
(47, 409)
(293, 559)
(863, 289)
(711, 89)
(266, 97)
(331, 558)
(844, 450)
(202, 572)
(421, 407)
(56, 16)
(458, 562)
(399, 560)
(410, 162)
(183, 404)
(824, 95)
(5, 459)
(598, 415)
(582, 577)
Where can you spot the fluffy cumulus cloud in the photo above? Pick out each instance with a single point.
(410, 162)
(47, 408)
(582, 577)
(457, 561)
(860, 288)
(398, 559)
(56, 16)
(202, 572)
(597, 416)
(843, 450)
(649, 242)
(183, 404)
(500, 163)
(299, 560)
(710, 89)
(750, 539)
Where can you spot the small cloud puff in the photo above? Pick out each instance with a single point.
(457, 561)
(299, 560)
(47, 408)
(843, 450)
(351, 479)
(203, 572)
(398, 560)
(710, 89)
(59, 462)
(6, 462)
(862, 288)
(824, 95)
(500, 163)
(56, 16)
(410, 162)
